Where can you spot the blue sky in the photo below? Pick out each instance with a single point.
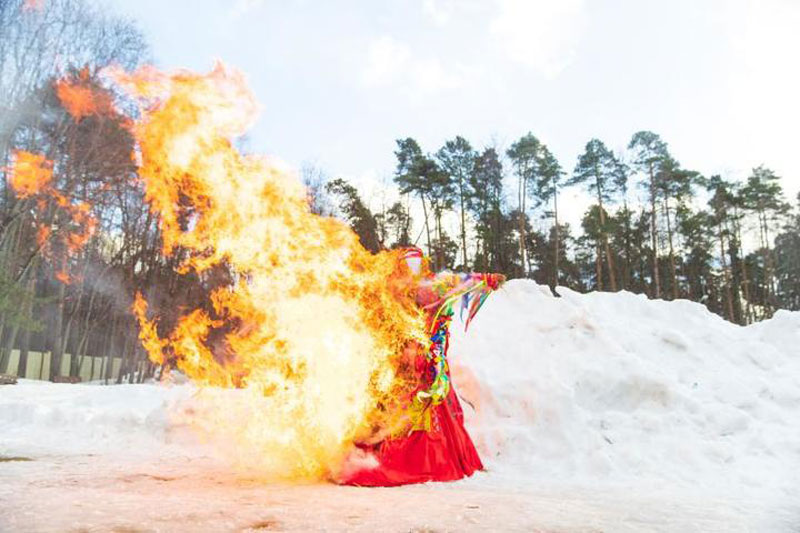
(339, 81)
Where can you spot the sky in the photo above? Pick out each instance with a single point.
(340, 80)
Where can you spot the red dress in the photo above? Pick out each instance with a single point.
(440, 450)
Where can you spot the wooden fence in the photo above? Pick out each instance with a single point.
(92, 368)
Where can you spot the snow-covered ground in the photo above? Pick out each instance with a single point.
(600, 412)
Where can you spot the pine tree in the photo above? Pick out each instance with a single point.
(624, 216)
(486, 205)
(675, 188)
(695, 228)
(524, 156)
(554, 248)
(596, 169)
(547, 182)
(411, 175)
(787, 262)
(457, 159)
(739, 209)
(398, 225)
(763, 196)
(721, 199)
(649, 152)
(357, 215)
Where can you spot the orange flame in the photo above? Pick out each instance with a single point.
(316, 325)
(80, 99)
(30, 173)
(31, 176)
(42, 235)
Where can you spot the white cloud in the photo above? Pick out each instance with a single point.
(438, 11)
(243, 7)
(540, 34)
(430, 76)
(392, 63)
(387, 59)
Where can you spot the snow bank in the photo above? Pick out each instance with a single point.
(619, 388)
(42, 418)
(584, 390)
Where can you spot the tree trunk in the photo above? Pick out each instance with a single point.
(8, 347)
(609, 258)
(110, 349)
(463, 227)
(440, 264)
(675, 292)
(769, 271)
(5, 357)
(521, 222)
(598, 265)
(80, 354)
(58, 344)
(69, 334)
(125, 363)
(427, 227)
(654, 233)
(73, 338)
(555, 237)
(87, 327)
(725, 274)
(626, 276)
(22, 368)
(2, 331)
(748, 308)
(41, 365)
(144, 372)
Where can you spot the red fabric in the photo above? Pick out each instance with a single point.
(445, 453)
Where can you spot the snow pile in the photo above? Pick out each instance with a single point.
(618, 388)
(587, 390)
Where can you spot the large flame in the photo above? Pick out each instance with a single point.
(316, 326)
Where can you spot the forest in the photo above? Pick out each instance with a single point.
(653, 227)
(69, 273)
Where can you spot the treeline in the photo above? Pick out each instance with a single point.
(73, 250)
(653, 226)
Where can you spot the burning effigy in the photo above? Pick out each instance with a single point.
(332, 362)
(435, 446)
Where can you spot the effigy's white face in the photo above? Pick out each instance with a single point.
(414, 264)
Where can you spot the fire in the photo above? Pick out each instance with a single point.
(30, 174)
(315, 325)
(79, 98)
(31, 177)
